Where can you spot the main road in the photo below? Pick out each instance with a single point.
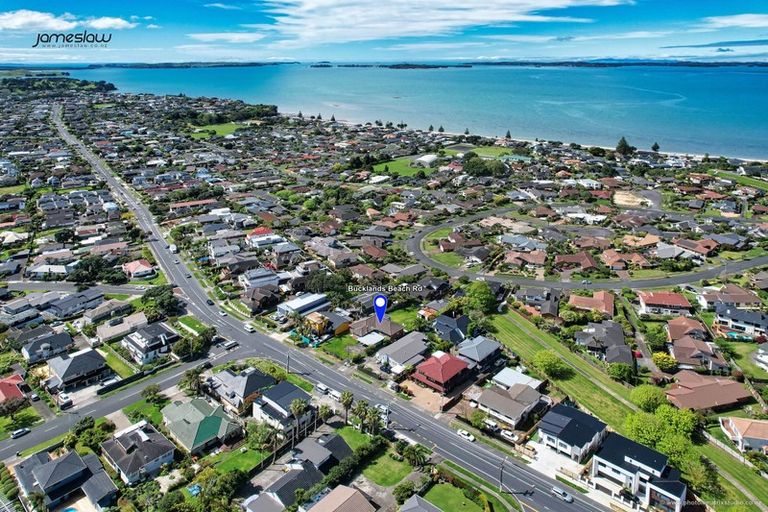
(417, 424)
(415, 248)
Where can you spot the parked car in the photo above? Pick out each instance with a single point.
(20, 432)
(510, 436)
(34, 397)
(209, 302)
(466, 435)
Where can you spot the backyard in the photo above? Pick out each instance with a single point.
(448, 497)
(338, 346)
(405, 317)
(145, 410)
(400, 166)
(119, 365)
(237, 459)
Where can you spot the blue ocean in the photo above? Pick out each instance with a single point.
(715, 110)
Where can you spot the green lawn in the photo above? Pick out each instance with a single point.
(193, 323)
(338, 345)
(579, 387)
(450, 498)
(117, 296)
(202, 132)
(117, 363)
(405, 317)
(743, 180)
(647, 273)
(744, 352)
(352, 436)
(14, 189)
(24, 418)
(447, 258)
(103, 105)
(386, 471)
(401, 166)
(158, 280)
(439, 233)
(149, 411)
(491, 151)
(235, 459)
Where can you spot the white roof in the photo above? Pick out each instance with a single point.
(370, 339)
(508, 377)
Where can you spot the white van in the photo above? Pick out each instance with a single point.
(322, 389)
(490, 425)
(230, 344)
(334, 394)
(249, 327)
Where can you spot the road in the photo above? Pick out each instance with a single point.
(419, 425)
(414, 247)
(58, 286)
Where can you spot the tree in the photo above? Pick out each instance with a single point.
(431, 128)
(480, 297)
(359, 411)
(621, 372)
(151, 394)
(298, 408)
(37, 500)
(551, 364)
(403, 491)
(347, 398)
(260, 435)
(477, 418)
(508, 135)
(623, 148)
(681, 421)
(65, 235)
(372, 420)
(645, 428)
(647, 397)
(324, 413)
(664, 361)
(441, 129)
(415, 455)
(655, 148)
(12, 406)
(191, 381)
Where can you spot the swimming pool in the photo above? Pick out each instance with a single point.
(70, 509)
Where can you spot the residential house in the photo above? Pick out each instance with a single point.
(663, 303)
(10, 387)
(621, 465)
(261, 298)
(106, 310)
(601, 302)
(735, 322)
(570, 431)
(138, 452)
(685, 326)
(363, 328)
(119, 327)
(236, 390)
(75, 303)
(150, 342)
(406, 352)
(606, 340)
(303, 305)
(510, 406)
(703, 392)
(138, 269)
(508, 377)
(42, 344)
(197, 425)
(282, 493)
(66, 478)
(542, 301)
(452, 329)
(274, 407)
(79, 368)
(418, 504)
(479, 352)
(324, 452)
(729, 295)
(746, 433)
(695, 354)
(442, 372)
(582, 261)
(343, 499)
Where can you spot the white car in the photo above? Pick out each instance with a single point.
(249, 328)
(222, 313)
(510, 436)
(466, 435)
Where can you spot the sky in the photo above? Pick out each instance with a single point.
(386, 30)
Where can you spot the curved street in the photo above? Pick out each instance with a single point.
(415, 248)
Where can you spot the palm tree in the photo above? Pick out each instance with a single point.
(323, 413)
(191, 381)
(359, 410)
(347, 398)
(298, 407)
(415, 455)
(372, 420)
(37, 500)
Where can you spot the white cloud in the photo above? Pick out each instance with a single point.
(227, 37)
(226, 7)
(153, 26)
(522, 38)
(432, 45)
(737, 21)
(301, 23)
(109, 23)
(24, 19)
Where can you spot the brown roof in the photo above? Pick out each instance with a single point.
(601, 301)
(755, 429)
(683, 326)
(698, 392)
(732, 294)
(343, 499)
(672, 299)
(690, 351)
(582, 259)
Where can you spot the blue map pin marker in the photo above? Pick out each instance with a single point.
(380, 306)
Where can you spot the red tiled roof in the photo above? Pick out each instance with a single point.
(665, 299)
(9, 388)
(443, 368)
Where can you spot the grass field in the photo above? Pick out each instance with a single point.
(158, 280)
(203, 132)
(192, 322)
(352, 436)
(15, 189)
(492, 151)
(743, 180)
(117, 296)
(744, 351)
(448, 497)
(439, 233)
(149, 411)
(338, 346)
(401, 166)
(235, 459)
(405, 317)
(117, 363)
(24, 418)
(386, 471)
(647, 273)
(447, 258)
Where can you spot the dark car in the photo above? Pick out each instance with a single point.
(209, 302)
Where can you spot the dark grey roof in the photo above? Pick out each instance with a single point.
(235, 387)
(418, 504)
(570, 425)
(286, 486)
(310, 450)
(616, 448)
(70, 366)
(133, 450)
(56, 342)
(755, 318)
(478, 348)
(336, 445)
(285, 393)
(58, 470)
